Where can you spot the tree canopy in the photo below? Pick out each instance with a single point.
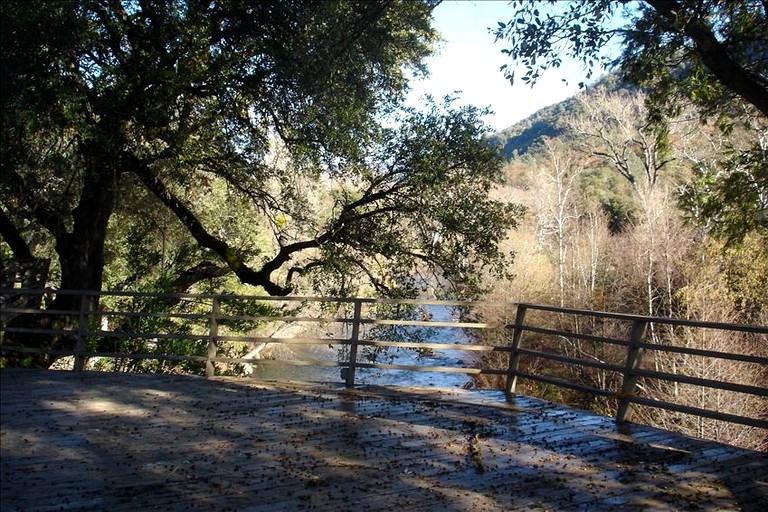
(230, 116)
(706, 53)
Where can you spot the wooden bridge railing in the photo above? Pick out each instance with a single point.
(625, 353)
(641, 353)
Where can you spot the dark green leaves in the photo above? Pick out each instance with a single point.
(422, 215)
(240, 137)
(539, 38)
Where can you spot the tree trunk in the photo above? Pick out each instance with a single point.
(81, 251)
(81, 258)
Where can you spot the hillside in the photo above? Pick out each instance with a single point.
(519, 138)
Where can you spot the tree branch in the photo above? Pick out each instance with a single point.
(190, 276)
(221, 248)
(715, 56)
(48, 218)
(12, 236)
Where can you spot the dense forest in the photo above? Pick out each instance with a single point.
(595, 181)
(263, 148)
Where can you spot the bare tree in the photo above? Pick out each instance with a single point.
(556, 211)
(707, 296)
(612, 125)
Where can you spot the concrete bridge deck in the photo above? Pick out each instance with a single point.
(110, 441)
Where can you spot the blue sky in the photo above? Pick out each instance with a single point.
(469, 61)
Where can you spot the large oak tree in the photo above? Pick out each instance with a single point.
(106, 101)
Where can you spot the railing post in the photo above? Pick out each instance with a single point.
(514, 354)
(82, 329)
(213, 332)
(349, 375)
(634, 357)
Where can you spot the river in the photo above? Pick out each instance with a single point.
(373, 376)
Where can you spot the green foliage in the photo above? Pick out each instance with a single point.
(611, 194)
(169, 326)
(732, 197)
(236, 314)
(745, 267)
(422, 216)
(707, 51)
(540, 34)
(154, 332)
(164, 145)
(683, 48)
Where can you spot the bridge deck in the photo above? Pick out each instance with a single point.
(100, 441)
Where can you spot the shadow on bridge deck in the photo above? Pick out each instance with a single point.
(106, 441)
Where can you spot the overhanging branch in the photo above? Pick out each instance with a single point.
(350, 215)
(715, 56)
(205, 239)
(11, 235)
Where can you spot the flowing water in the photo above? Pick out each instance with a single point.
(374, 376)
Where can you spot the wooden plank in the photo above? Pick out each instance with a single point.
(135, 442)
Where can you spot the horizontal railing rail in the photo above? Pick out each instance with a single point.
(631, 369)
(226, 330)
